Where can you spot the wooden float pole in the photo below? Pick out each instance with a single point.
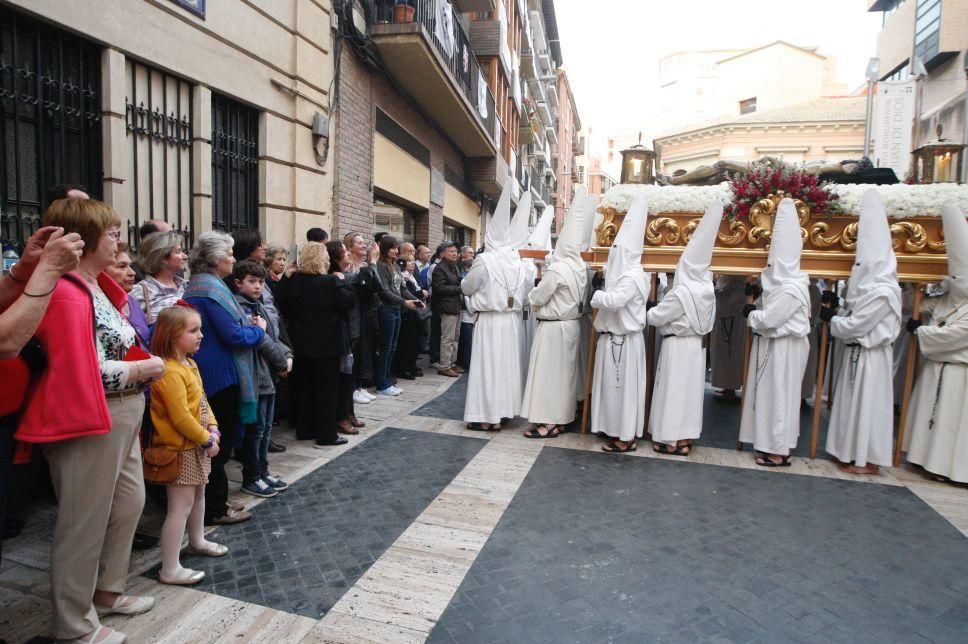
(747, 347)
(589, 374)
(821, 372)
(650, 356)
(908, 378)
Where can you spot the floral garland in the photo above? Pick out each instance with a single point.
(768, 177)
(901, 200)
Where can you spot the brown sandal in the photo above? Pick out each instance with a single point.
(551, 431)
(616, 447)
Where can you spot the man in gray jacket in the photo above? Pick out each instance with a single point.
(446, 302)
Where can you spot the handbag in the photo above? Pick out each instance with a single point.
(161, 465)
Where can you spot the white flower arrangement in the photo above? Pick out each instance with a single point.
(902, 200)
(667, 198)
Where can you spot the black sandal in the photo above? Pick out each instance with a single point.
(662, 448)
(535, 432)
(613, 447)
(479, 427)
(766, 461)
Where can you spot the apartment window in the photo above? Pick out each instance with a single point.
(927, 29)
(456, 233)
(50, 119)
(235, 165)
(581, 174)
(158, 119)
(747, 106)
(390, 218)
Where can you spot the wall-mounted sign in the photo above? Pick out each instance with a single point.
(197, 7)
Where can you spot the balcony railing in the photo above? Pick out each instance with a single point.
(454, 48)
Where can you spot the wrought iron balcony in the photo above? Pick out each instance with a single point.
(433, 62)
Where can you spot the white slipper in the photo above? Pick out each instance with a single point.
(133, 606)
(115, 637)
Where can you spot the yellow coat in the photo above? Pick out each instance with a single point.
(177, 405)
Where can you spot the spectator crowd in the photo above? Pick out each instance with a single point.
(159, 363)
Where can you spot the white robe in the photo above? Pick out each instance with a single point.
(496, 375)
(549, 394)
(620, 377)
(771, 405)
(942, 447)
(862, 419)
(680, 375)
(728, 339)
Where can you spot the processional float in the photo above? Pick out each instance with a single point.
(742, 247)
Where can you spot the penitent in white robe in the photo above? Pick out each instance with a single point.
(937, 423)
(496, 377)
(862, 419)
(549, 394)
(680, 374)
(728, 338)
(620, 376)
(771, 397)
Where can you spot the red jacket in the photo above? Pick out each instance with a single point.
(67, 401)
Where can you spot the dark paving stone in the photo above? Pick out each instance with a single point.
(304, 548)
(596, 548)
(448, 405)
(720, 420)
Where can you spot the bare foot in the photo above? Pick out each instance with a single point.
(857, 469)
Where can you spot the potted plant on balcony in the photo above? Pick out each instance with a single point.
(403, 11)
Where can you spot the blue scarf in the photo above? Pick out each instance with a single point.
(208, 286)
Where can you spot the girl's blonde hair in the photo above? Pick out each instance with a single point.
(170, 324)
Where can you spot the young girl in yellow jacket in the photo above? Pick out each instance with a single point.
(183, 422)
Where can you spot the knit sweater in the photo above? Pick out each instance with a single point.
(177, 401)
(221, 335)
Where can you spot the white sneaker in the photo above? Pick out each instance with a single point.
(390, 391)
(435, 365)
(360, 398)
(368, 394)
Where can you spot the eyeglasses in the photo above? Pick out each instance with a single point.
(114, 234)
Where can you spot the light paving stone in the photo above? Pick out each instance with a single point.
(259, 624)
(341, 628)
(440, 540)
(462, 511)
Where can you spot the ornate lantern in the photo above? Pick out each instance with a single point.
(637, 164)
(939, 161)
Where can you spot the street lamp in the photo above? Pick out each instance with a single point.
(637, 162)
(873, 70)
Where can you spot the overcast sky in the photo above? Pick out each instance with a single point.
(611, 48)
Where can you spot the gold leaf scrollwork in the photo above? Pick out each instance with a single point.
(688, 230)
(848, 240)
(938, 246)
(654, 235)
(763, 212)
(605, 234)
(916, 240)
(737, 233)
(758, 234)
(818, 236)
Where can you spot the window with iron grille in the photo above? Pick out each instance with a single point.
(50, 119)
(158, 119)
(235, 165)
(747, 106)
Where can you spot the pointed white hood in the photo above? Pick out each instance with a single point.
(591, 203)
(625, 255)
(500, 258)
(498, 235)
(572, 234)
(541, 235)
(956, 242)
(874, 273)
(693, 282)
(519, 223)
(782, 272)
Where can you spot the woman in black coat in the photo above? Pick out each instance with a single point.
(408, 344)
(316, 305)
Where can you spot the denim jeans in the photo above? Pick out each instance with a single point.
(255, 451)
(389, 333)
